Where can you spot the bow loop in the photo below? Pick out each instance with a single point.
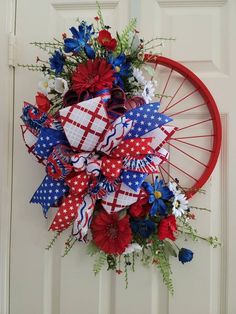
(111, 168)
(133, 147)
(59, 162)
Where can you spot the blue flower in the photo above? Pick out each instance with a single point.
(144, 228)
(121, 66)
(157, 195)
(57, 61)
(79, 40)
(185, 255)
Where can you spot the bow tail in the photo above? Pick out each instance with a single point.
(84, 216)
(49, 193)
(66, 213)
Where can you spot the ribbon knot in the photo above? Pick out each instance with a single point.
(98, 160)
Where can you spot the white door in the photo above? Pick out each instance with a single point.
(42, 282)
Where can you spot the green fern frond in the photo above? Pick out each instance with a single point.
(33, 67)
(92, 249)
(99, 13)
(164, 267)
(99, 262)
(123, 39)
(47, 46)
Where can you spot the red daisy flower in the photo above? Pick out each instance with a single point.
(167, 227)
(110, 233)
(93, 76)
(105, 39)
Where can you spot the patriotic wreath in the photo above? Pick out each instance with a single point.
(99, 135)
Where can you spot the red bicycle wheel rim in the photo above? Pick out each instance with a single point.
(213, 110)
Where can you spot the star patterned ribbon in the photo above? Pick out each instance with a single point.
(92, 158)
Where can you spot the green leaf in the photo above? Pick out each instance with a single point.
(149, 69)
(169, 249)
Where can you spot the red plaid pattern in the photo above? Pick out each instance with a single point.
(122, 197)
(160, 136)
(161, 156)
(85, 123)
(30, 140)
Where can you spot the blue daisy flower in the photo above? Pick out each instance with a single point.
(121, 66)
(157, 195)
(143, 227)
(57, 61)
(79, 40)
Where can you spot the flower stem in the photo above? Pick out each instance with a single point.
(52, 242)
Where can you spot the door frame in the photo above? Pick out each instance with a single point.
(7, 31)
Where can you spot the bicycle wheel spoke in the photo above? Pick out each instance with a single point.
(173, 97)
(196, 136)
(168, 79)
(155, 68)
(162, 175)
(170, 176)
(194, 124)
(183, 98)
(181, 170)
(189, 109)
(193, 145)
(190, 156)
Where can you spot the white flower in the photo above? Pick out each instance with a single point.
(133, 247)
(148, 92)
(46, 84)
(138, 75)
(180, 204)
(173, 187)
(61, 85)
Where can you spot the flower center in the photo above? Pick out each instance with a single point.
(45, 84)
(112, 231)
(147, 90)
(157, 194)
(93, 79)
(105, 40)
(117, 69)
(177, 204)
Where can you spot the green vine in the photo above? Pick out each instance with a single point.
(53, 240)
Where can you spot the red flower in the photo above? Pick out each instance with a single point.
(167, 227)
(96, 18)
(105, 39)
(93, 76)
(42, 102)
(110, 233)
(140, 208)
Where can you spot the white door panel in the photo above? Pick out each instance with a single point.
(42, 282)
